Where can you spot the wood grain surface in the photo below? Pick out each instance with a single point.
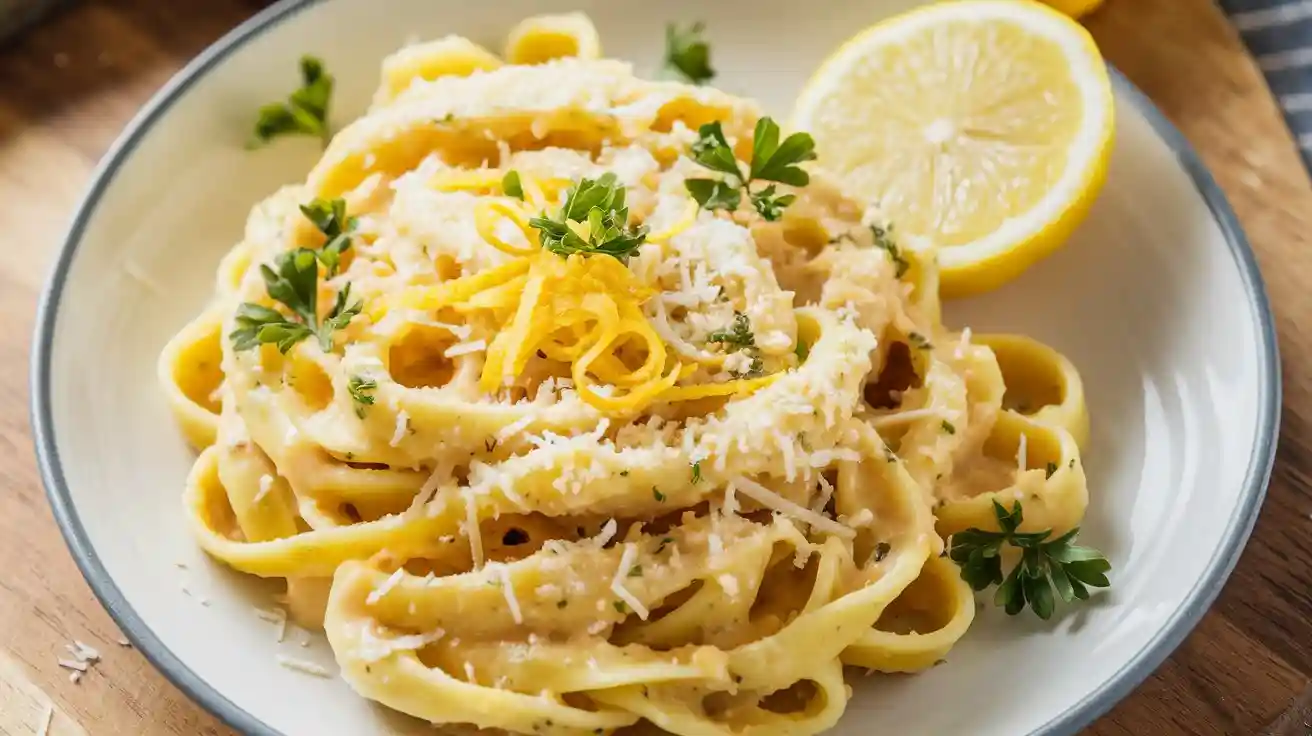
(68, 87)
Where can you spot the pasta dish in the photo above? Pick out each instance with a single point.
(556, 424)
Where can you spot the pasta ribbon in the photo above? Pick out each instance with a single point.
(564, 493)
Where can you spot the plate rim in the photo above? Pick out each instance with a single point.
(1094, 704)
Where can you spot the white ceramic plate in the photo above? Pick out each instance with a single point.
(1157, 300)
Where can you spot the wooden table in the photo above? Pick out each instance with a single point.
(68, 87)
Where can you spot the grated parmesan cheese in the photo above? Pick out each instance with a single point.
(515, 428)
(774, 501)
(430, 487)
(826, 493)
(508, 590)
(83, 652)
(786, 446)
(277, 616)
(608, 532)
(617, 584)
(729, 584)
(374, 648)
(402, 424)
(960, 351)
(377, 594)
(471, 528)
(301, 665)
(715, 543)
(903, 417)
(465, 348)
(825, 458)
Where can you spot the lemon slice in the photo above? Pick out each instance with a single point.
(983, 125)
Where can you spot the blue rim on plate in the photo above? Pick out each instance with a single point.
(1181, 622)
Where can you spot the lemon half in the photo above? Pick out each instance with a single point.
(983, 125)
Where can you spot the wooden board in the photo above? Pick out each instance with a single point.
(68, 87)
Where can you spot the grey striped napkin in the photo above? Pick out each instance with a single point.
(1279, 34)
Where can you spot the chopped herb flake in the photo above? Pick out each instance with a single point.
(361, 389)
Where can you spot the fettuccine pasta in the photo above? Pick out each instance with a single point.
(565, 493)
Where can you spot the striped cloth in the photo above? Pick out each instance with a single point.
(1279, 33)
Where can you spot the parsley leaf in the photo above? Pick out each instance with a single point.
(330, 217)
(712, 150)
(341, 315)
(598, 207)
(1044, 565)
(687, 54)
(304, 113)
(775, 161)
(697, 472)
(361, 390)
(768, 205)
(714, 194)
(511, 185)
(294, 283)
(772, 161)
(257, 324)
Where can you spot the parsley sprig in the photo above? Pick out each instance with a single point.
(772, 161)
(740, 336)
(304, 113)
(593, 220)
(294, 283)
(1044, 565)
(687, 55)
(330, 217)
